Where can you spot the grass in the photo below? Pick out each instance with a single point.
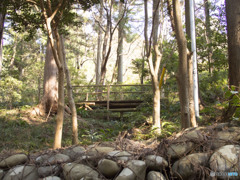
(21, 133)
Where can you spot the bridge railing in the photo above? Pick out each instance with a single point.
(111, 92)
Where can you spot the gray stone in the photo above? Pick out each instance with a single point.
(45, 171)
(95, 151)
(73, 171)
(53, 159)
(226, 159)
(135, 169)
(22, 172)
(41, 159)
(120, 155)
(74, 152)
(189, 166)
(1, 173)
(126, 174)
(225, 137)
(178, 149)
(108, 168)
(52, 178)
(155, 162)
(195, 135)
(13, 160)
(154, 175)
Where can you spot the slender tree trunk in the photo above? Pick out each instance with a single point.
(208, 35)
(120, 45)
(99, 47)
(154, 59)
(60, 110)
(190, 67)
(104, 50)
(191, 98)
(54, 38)
(2, 19)
(183, 65)
(70, 98)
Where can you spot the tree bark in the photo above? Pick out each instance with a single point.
(99, 47)
(60, 111)
(2, 19)
(208, 35)
(70, 98)
(233, 33)
(191, 98)
(190, 67)
(120, 45)
(105, 45)
(183, 65)
(154, 58)
(50, 83)
(54, 38)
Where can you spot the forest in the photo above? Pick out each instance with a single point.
(119, 89)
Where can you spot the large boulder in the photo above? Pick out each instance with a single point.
(135, 169)
(178, 149)
(190, 166)
(155, 162)
(226, 159)
(73, 171)
(154, 175)
(13, 160)
(108, 168)
(22, 172)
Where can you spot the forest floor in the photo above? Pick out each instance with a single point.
(20, 132)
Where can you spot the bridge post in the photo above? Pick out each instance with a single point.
(108, 99)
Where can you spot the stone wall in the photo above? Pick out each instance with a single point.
(196, 153)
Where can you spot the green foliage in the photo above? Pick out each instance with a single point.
(82, 112)
(212, 87)
(233, 99)
(140, 67)
(10, 91)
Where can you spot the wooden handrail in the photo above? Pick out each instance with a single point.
(114, 85)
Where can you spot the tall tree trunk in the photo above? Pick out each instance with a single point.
(191, 98)
(208, 35)
(233, 33)
(104, 50)
(70, 98)
(154, 59)
(54, 38)
(50, 83)
(190, 67)
(120, 45)
(183, 65)
(2, 19)
(99, 47)
(60, 110)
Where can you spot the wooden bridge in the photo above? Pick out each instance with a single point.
(114, 98)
